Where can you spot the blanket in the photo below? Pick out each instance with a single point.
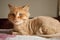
(23, 37)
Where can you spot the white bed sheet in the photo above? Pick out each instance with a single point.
(19, 37)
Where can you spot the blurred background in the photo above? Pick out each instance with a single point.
(37, 7)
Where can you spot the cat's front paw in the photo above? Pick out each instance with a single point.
(15, 33)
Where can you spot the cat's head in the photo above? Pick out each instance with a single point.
(19, 14)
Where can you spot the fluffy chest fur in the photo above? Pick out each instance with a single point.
(23, 29)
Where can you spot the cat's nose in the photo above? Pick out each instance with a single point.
(16, 18)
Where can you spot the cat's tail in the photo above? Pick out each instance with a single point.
(51, 36)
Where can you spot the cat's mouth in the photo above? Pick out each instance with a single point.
(18, 22)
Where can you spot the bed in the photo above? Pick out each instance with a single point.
(21, 37)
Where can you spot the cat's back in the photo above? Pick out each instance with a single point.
(46, 19)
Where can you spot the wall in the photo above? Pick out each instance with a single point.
(37, 7)
(59, 7)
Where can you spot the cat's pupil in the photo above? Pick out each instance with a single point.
(13, 14)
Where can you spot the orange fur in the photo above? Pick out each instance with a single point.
(41, 25)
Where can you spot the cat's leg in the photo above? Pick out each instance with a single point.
(39, 32)
(47, 33)
(15, 33)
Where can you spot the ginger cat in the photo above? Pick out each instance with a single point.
(42, 25)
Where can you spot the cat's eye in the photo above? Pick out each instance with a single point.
(20, 14)
(13, 14)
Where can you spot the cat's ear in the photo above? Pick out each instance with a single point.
(10, 6)
(26, 7)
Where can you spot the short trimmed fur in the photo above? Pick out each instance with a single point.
(42, 25)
